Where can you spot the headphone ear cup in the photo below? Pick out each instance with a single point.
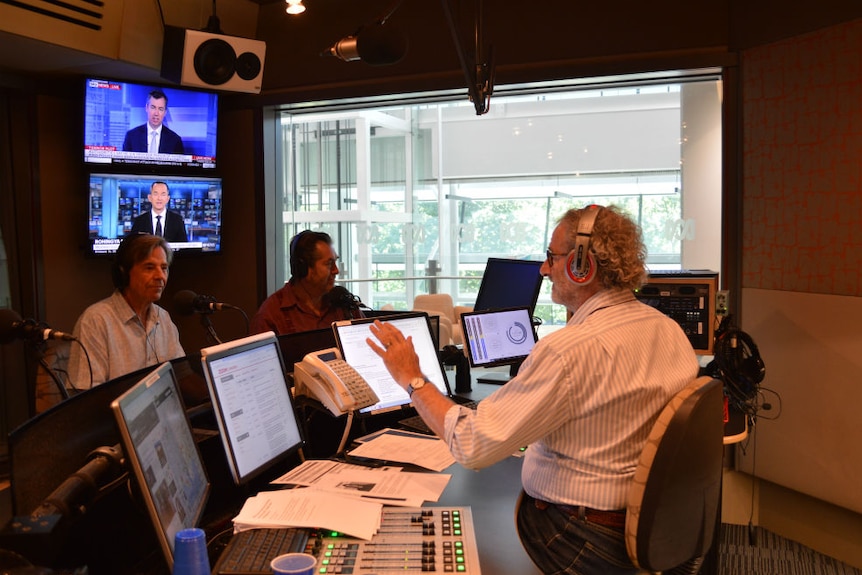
(580, 278)
(298, 266)
(119, 276)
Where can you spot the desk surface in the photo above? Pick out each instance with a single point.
(491, 494)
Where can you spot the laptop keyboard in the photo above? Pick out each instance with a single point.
(250, 552)
(417, 424)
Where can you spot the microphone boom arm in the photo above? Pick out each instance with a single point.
(480, 79)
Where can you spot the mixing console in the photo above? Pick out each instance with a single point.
(410, 540)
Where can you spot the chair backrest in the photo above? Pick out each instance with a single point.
(440, 302)
(674, 500)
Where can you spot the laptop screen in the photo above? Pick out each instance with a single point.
(351, 336)
(252, 404)
(498, 337)
(161, 450)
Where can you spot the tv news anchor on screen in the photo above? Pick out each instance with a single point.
(310, 299)
(154, 137)
(584, 400)
(159, 220)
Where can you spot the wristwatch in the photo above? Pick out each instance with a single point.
(415, 384)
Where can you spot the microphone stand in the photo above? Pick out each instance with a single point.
(53, 375)
(212, 336)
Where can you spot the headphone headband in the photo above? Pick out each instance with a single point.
(580, 264)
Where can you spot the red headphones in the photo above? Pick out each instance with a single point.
(580, 263)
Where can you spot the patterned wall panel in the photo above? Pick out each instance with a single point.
(802, 163)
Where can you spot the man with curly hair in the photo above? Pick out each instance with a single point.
(584, 401)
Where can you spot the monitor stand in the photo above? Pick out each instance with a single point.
(499, 377)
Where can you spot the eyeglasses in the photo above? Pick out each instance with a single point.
(549, 255)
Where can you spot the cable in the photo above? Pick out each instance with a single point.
(347, 426)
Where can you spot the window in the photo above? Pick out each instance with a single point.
(417, 196)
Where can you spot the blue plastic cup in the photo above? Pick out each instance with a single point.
(294, 564)
(190, 553)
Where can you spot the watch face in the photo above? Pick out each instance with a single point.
(415, 384)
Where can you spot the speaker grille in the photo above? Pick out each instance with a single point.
(215, 61)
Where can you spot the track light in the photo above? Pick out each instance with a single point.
(294, 7)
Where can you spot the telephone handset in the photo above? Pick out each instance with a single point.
(327, 377)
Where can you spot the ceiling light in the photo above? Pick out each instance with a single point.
(294, 7)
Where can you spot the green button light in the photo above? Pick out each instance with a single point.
(459, 559)
(461, 568)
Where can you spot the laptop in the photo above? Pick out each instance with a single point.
(159, 447)
(350, 336)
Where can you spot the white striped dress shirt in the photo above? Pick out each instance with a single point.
(584, 401)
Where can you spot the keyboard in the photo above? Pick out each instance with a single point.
(250, 552)
(417, 424)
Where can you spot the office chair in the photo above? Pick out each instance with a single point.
(674, 501)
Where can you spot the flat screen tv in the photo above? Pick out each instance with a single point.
(116, 116)
(115, 202)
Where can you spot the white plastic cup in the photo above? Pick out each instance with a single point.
(294, 564)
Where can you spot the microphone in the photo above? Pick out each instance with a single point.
(13, 327)
(375, 45)
(340, 296)
(187, 302)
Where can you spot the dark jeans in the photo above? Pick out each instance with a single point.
(560, 544)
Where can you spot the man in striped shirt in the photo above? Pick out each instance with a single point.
(584, 401)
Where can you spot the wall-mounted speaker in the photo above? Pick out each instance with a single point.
(206, 60)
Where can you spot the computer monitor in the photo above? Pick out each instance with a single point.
(498, 337)
(509, 283)
(295, 346)
(351, 336)
(160, 448)
(252, 404)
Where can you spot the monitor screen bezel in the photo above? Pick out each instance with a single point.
(485, 286)
(210, 356)
(102, 245)
(159, 163)
(509, 360)
(400, 399)
(188, 445)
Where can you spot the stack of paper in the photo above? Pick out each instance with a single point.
(339, 497)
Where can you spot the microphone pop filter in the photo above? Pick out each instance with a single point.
(184, 302)
(9, 320)
(380, 45)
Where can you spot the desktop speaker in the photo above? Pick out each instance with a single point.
(206, 60)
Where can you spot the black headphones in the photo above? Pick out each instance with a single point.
(580, 263)
(739, 365)
(298, 265)
(302, 247)
(121, 266)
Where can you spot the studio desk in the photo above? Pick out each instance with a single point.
(116, 539)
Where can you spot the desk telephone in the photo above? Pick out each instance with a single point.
(325, 376)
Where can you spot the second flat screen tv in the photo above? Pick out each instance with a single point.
(115, 202)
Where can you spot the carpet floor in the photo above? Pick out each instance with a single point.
(773, 555)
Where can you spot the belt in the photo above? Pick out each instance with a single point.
(614, 519)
